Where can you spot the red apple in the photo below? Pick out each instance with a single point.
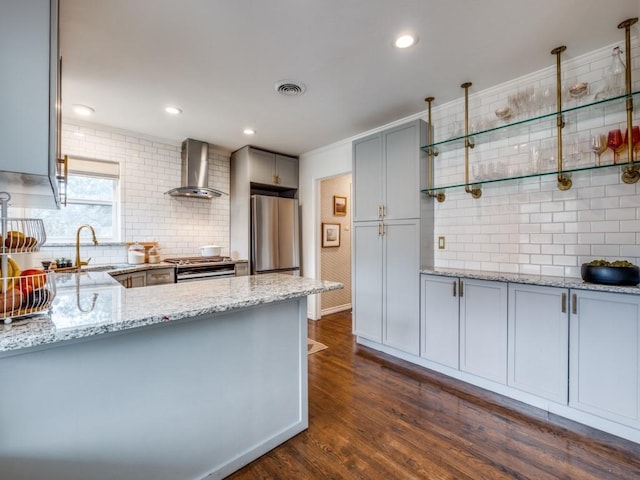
(32, 279)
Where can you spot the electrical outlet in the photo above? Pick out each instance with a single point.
(440, 243)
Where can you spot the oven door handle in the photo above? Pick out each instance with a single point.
(204, 275)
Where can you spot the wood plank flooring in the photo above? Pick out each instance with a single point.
(375, 417)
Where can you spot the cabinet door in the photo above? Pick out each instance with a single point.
(30, 80)
(367, 281)
(262, 167)
(539, 341)
(138, 279)
(287, 171)
(367, 178)
(439, 313)
(401, 299)
(402, 171)
(483, 329)
(604, 355)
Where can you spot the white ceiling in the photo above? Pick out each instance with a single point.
(218, 60)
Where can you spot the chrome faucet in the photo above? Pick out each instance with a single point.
(79, 263)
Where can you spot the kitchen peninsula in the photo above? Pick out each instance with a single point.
(189, 380)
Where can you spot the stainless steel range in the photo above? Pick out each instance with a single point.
(189, 269)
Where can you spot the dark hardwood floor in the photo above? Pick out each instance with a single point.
(375, 417)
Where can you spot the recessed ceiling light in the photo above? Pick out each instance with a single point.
(173, 110)
(249, 131)
(405, 41)
(83, 110)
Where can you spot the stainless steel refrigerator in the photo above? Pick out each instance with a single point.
(275, 235)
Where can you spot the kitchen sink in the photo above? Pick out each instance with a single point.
(104, 268)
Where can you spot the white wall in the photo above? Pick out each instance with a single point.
(314, 166)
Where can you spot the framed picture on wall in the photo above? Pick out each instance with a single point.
(339, 206)
(330, 235)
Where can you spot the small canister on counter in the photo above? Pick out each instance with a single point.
(135, 254)
(154, 255)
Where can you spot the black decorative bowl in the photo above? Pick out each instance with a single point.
(610, 275)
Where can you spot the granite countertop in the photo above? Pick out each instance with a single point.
(563, 282)
(92, 303)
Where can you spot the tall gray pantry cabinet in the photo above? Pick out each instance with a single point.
(392, 235)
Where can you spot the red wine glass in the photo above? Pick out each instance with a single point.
(614, 142)
(635, 138)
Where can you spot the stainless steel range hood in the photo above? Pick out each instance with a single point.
(195, 172)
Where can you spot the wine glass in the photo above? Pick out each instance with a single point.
(635, 139)
(598, 146)
(614, 142)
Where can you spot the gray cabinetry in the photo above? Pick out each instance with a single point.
(464, 325)
(386, 281)
(30, 81)
(605, 355)
(483, 329)
(367, 178)
(254, 171)
(132, 280)
(159, 276)
(393, 238)
(273, 169)
(387, 175)
(440, 313)
(367, 280)
(539, 340)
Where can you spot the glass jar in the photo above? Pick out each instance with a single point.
(135, 254)
(154, 255)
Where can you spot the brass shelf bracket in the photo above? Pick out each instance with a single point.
(564, 180)
(474, 190)
(631, 173)
(431, 154)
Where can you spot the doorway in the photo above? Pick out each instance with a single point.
(335, 247)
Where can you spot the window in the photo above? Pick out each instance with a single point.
(92, 197)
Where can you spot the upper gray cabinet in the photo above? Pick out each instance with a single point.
(29, 138)
(273, 169)
(389, 169)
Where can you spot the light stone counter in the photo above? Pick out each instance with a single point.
(562, 282)
(93, 303)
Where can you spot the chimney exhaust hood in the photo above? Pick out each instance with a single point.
(195, 172)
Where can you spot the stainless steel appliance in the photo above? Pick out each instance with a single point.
(195, 172)
(275, 235)
(189, 269)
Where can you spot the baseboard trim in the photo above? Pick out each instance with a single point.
(339, 308)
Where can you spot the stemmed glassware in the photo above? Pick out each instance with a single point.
(615, 143)
(635, 139)
(598, 146)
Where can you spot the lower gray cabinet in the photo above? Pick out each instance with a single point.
(367, 281)
(483, 329)
(604, 351)
(132, 280)
(539, 340)
(386, 291)
(439, 312)
(464, 325)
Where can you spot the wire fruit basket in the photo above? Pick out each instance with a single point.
(26, 295)
(22, 293)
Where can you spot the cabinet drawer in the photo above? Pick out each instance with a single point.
(160, 276)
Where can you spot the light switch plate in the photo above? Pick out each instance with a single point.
(440, 243)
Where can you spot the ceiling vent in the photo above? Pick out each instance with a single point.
(289, 88)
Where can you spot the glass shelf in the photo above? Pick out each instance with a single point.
(530, 125)
(530, 175)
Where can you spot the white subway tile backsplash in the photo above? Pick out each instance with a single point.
(606, 226)
(150, 167)
(605, 250)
